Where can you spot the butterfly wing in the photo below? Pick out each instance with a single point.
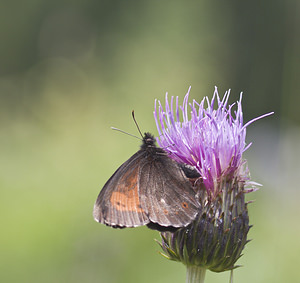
(166, 193)
(118, 204)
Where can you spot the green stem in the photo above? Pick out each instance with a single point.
(231, 276)
(195, 274)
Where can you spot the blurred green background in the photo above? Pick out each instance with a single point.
(71, 69)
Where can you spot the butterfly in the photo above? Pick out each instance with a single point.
(148, 189)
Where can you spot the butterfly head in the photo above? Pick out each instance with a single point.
(148, 141)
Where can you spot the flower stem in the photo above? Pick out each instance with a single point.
(195, 274)
(231, 276)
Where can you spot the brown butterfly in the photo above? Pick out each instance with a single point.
(148, 189)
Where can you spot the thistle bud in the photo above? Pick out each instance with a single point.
(211, 142)
(216, 238)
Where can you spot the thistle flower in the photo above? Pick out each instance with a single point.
(212, 142)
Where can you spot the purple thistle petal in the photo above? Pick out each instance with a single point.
(211, 140)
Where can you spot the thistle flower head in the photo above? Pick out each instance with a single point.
(211, 140)
(210, 136)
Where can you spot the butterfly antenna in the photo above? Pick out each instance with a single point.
(136, 123)
(116, 129)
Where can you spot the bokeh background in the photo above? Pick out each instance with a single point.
(71, 69)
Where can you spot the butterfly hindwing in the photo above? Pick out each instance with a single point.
(166, 193)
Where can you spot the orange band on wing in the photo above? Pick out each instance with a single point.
(126, 202)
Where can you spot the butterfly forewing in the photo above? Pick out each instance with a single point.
(118, 203)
